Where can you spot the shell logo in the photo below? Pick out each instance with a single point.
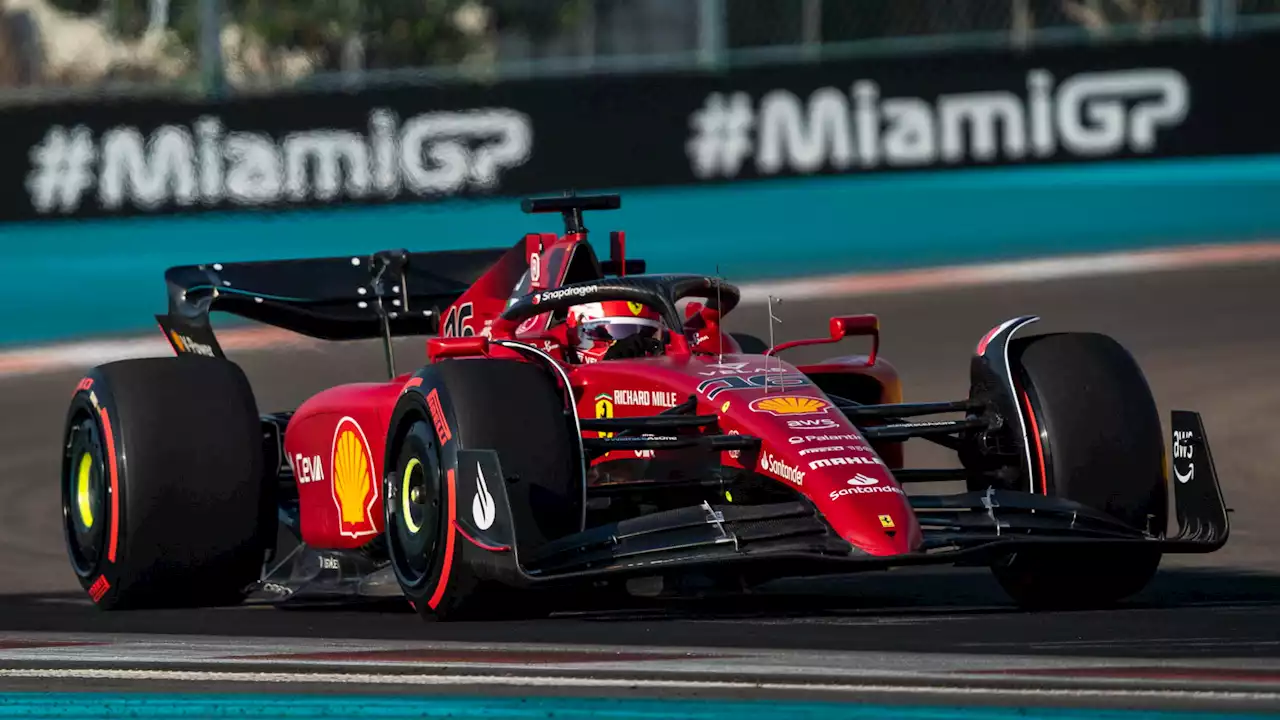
(354, 492)
(790, 405)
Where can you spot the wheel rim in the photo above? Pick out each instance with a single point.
(411, 507)
(416, 514)
(85, 496)
(84, 492)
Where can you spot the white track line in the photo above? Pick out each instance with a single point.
(83, 355)
(620, 683)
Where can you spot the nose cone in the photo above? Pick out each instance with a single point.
(852, 488)
(869, 510)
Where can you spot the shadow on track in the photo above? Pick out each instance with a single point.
(1184, 613)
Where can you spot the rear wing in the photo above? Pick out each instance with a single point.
(389, 293)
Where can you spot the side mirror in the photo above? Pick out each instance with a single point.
(842, 326)
(839, 328)
(439, 348)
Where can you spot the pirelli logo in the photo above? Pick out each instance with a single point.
(437, 416)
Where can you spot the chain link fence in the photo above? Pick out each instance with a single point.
(73, 47)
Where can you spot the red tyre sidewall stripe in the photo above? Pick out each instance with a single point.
(115, 485)
(443, 583)
(1035, 433)
(482, 545)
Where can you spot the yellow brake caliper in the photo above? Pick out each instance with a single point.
(84, 499)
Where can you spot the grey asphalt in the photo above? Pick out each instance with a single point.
(1209, 340)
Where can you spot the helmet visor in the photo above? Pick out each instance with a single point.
(618, 328)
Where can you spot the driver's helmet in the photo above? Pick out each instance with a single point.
(601, 324)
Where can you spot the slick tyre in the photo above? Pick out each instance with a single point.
(1096, 440)
(513, 409)
(163, 501)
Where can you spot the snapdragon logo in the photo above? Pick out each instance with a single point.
(430, 154)
(567, 292)
(1087, 115)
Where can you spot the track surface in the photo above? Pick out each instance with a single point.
(1209, 341)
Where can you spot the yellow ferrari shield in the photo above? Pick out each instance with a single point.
(604, 409)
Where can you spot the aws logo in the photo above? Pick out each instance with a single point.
(354, 491)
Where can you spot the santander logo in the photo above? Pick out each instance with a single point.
(861, 484)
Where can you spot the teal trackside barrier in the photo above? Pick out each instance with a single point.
(297, 707)
(61, 279)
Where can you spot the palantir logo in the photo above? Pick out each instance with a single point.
(430, 154)
(1088, 115)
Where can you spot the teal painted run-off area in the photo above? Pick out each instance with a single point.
(299, 707)
(63, 279)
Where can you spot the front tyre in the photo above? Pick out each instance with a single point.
(1097, 440)
(517, 411)
(419, 495)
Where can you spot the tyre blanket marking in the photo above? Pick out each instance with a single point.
(115, 485)
(443, 583)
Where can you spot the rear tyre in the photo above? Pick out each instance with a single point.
(163, 500)
(1100, 443)
(514, 409)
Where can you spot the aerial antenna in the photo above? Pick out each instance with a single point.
(380, 262)
(772, 344)
(719, 326)
(387, 349)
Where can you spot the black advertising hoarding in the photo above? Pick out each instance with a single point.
(410, 144)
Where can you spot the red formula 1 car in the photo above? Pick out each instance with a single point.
(581, 427)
